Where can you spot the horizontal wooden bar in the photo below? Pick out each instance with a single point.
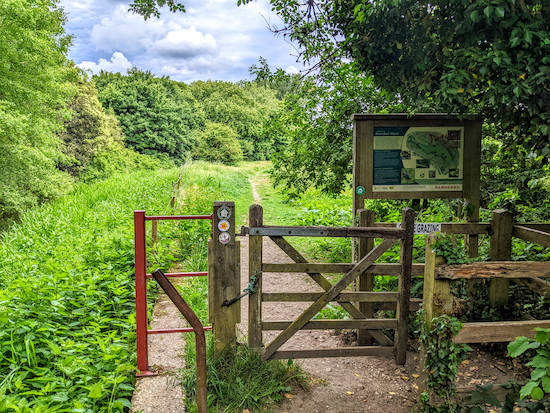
(342, 232)
(176, 217)
(334, 352)
(537, 285)
(364, 296)
(496, 332)
(536, 225)
(175, 330)
(369, 324)
(464, 394)
(182, 274)
(468, 228)
(383, 269)
(497, 269)
(532, 235)
(414, 305)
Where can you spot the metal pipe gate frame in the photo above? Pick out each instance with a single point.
(142, 330)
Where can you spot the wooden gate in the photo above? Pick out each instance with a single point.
(333, 292)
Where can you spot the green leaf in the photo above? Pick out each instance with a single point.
(474, 15)
(95, 391)
(528, 36)
(516, 91)
(527, 389)
(542, 337)
(488, 10)
(538, 373)
(539, 362)
(520, 345)
(537, 393)
(499, 11)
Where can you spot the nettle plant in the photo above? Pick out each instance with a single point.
(539, 384)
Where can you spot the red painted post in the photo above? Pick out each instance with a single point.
(141, 294)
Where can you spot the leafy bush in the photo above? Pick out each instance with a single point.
(219, 143)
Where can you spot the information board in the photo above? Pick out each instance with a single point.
(418, 159)
(425, 156)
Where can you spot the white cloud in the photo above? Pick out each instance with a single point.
(291, 70)
(126, 32)
(118, 63)
(185, 43)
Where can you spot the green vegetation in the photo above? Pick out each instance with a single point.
(67, 308)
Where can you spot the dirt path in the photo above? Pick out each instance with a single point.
(162, 393)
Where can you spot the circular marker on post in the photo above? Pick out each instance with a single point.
(224, 212)
(360, 190)
(224, 225)
(224, 238)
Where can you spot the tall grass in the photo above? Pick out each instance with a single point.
(67, 308)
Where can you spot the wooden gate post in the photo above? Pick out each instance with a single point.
(437, 297)
(224, 279)
(365, 281)
(403, 305)
(256, 219)
(502, 225)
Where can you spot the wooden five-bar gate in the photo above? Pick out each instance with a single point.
(337, 292)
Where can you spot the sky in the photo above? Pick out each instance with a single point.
(214, 39)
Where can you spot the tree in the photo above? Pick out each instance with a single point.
(148, 8)
(490, 57)
(157, 115)
(35, 87)
(90, 131)
(219, 143)
(316, 120)
(245, 107)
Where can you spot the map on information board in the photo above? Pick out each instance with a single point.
(418, 159)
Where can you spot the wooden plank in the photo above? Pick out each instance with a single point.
(452, 227)
(328, 296)
(464, 394)
(501, 269)
(333, 352)
(337, 268)
(536, 285)
(532, 235)
(369, 324)
(332, 232)
(363, 136)
(363, 296)
(495, 332)
(538, 226)
(414, 305)
(256, 218)
(326, 285)
(404, 286)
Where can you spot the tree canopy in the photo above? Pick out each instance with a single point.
(157, 115)
(489, 57)
(35, 87)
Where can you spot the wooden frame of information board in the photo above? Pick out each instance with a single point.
(364, 148)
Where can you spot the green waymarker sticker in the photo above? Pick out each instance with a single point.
(360, 190)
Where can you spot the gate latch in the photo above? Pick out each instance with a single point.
(251, 289)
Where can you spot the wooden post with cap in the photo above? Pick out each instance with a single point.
(224, 280)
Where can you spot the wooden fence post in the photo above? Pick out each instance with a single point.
(437, 297)
(403, 306)
(502, 225)
(224, 278)
(365, 281)
(256, 219)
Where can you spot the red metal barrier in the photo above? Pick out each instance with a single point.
(141, 287)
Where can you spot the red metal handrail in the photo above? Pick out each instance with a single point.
(141, 287)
